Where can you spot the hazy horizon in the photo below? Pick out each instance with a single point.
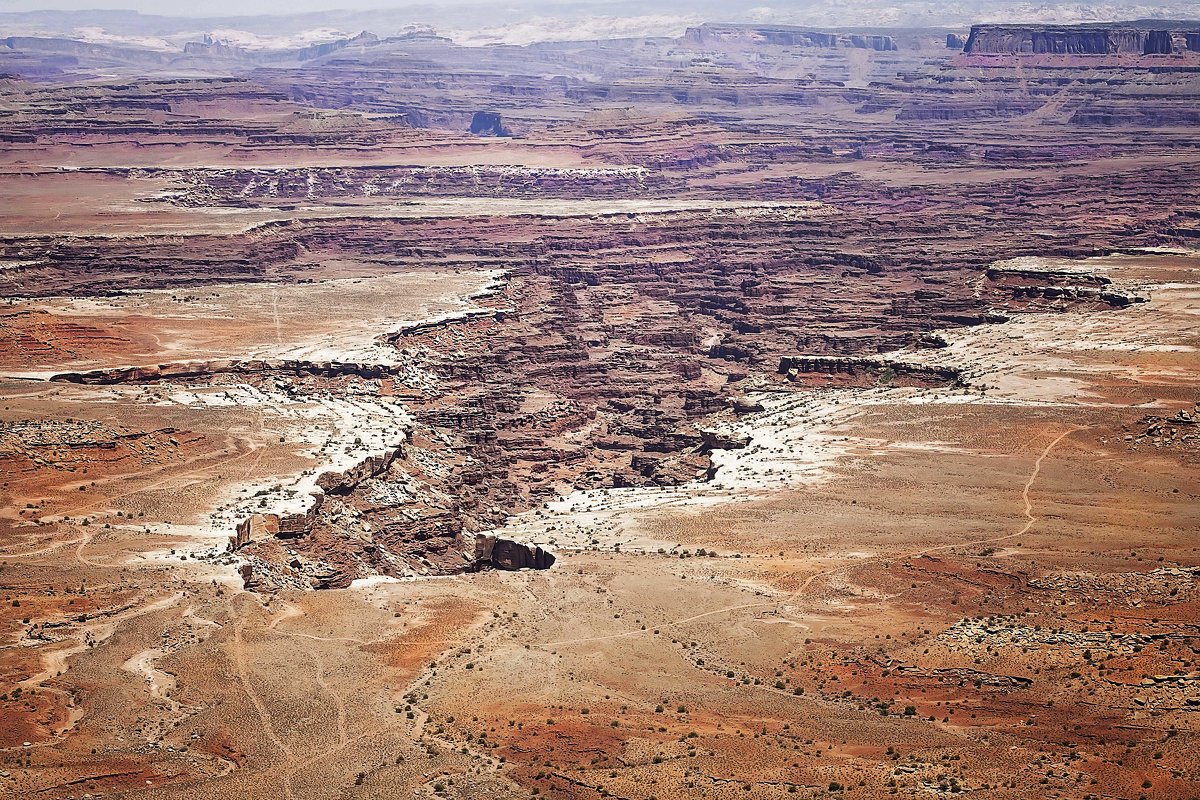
(248, 8)
(208, 8)
(282, 24)
(170, 8)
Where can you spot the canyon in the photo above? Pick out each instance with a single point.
(756, 411)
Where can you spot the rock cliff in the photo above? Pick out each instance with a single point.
(1151, 37)
(491, 551)
(785, 35)
(488, 123)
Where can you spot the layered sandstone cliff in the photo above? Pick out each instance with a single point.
(1150, 37)
(787, 36)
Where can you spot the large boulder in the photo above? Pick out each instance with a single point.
(492, 551)
(488, 123)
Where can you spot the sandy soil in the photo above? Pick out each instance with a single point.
(806, 633)
(985, 584)
(329, 320)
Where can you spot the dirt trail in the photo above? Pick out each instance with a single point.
(42, 551)
(292, 764)
(291, 611)
(338, 703)
(1028, 511)
(239, 660)
(143, 664)
(1037, 468)
(55, 661)
(1030, 521)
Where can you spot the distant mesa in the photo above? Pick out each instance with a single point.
(1138, 38)
(955, 41)
(216, 48)
(785, 35)
(488, 123)
(211, 47)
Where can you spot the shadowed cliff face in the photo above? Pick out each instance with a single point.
(491, 551)
(487, 123)
(1151, 38)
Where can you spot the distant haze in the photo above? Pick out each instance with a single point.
(168, 25)
(213, 8)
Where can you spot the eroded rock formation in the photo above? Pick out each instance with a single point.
(786, 36)
(488, 123)
(620, 336)
(507, 554)
(1148, 38)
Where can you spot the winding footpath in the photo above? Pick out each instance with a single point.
(1031, 520)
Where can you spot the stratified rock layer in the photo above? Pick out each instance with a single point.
(1148, 38)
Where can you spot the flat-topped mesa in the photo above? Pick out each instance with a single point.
(868, 371)
(1139, 38)
(247, 187)
(786, 36)
(187, 370)
(1036, 284)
